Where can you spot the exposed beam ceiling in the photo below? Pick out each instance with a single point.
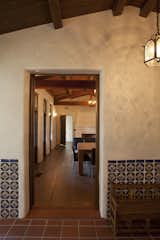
(55, 10)
(65, 84)
(72, 95)
(67, 89)
(72, 103)
(20, 14)
(66, 77)
(148, 7)
(118, 6)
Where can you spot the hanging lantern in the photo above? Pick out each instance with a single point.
(152, 46)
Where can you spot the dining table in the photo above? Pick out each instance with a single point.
(84, 147)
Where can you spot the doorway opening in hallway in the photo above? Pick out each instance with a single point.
(64, 141)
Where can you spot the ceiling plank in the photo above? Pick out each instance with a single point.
(118, 6)
(73, 95)
(67, 77)
(55, 11)
(65, 84)
(72, 103)
(148, 6)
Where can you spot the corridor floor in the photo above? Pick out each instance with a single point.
(57, 183)
(62, 229)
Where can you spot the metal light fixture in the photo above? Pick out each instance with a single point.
(54, 114)
(92, 99)
(152, 46)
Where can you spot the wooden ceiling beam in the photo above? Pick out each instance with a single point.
(118, 6)
(72, 103)
(72, 96)
(148, 6)
(55, 12)
(67, 77)
(65, 84)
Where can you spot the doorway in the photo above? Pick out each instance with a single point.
(44, 127)
(63, 130)
(69, 128)
(67, 133)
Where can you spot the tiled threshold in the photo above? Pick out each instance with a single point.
(63, 213)
(63, 229)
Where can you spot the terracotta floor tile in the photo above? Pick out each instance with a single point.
(4, 230)
(142, 238)
(109, 238)
(34, 231)
(87, 232)
(22, 222)
(51, 231)
(38, 222)
(87, 238)
(86, 222)
(7, 222)
(104, 231)
(70, 238)
(12, 238)
(54, 222)
(32, 238)
(101, 222)
(70, 222)
(17, 231)
(50, 238)
(69, 231)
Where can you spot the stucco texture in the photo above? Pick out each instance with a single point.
(129, 91)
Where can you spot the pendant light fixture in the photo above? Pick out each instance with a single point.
(152, 46)
(92, 99)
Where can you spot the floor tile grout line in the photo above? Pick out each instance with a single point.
(62, 224)
(29, 224)
(97, 237)
(10, 228)
(44, 229)
(78, 229)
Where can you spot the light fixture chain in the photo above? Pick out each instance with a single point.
(158, 28)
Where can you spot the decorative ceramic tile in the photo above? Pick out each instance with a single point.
(149, 165)
(157, 165)
(139, 177)
(121, 177)
(157, 177)
(121, 166)
(140, 165)
(130, 177)
(149, 177)
(9, 188)
(130, 165)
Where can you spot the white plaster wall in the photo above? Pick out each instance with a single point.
(84, 119)
(129, 91)
(69, 128)
(42, 94)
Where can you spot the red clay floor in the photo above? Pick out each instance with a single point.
(62, 229)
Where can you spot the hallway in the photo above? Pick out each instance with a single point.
(58, 185)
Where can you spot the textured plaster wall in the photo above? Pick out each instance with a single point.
(129, 91)
(84, 119)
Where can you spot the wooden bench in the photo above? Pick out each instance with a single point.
(135, 202)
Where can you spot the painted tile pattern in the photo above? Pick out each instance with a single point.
(132, 172)
(9, 188)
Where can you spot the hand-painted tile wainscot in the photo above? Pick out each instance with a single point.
(132, 172)
(9, 188)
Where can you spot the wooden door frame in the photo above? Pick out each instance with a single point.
(31, 139)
